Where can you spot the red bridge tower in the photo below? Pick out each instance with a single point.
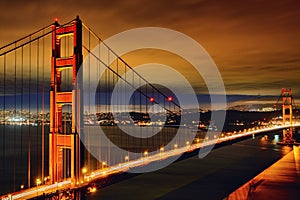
(64, 148)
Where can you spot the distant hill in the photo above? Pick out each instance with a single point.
(245, 102)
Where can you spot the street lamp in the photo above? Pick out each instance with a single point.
(146, 153)
(126, 158)
(84, 170)
(103, 164)
(46, 179)
(38, 182)
(161, 152)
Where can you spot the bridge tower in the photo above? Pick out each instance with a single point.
(287, 114)
(64, 148)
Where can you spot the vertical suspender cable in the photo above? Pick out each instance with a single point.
(107, 103)
(152, 105)
(133, 94)
(22, 112)
(99, 103)
(125, 94)
(37, 103)
(89, 111)
(117, 106)
(29, 116)
(4, 111)
(140, 110)
(43, 109)
(15, 112)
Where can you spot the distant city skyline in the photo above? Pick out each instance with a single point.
(22, 102)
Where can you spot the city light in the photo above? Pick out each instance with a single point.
(170, 98)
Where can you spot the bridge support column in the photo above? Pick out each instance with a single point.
(64, 147)
(287, 114)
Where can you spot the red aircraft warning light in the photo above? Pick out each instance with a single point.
(170, 98)
(151, 99)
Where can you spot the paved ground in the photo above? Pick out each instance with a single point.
(280, 181)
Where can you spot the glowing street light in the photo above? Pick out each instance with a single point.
(175, 146)
(161, 152)
(38, 182)
(92, 189)
(47, 178)
(146, 153)
(84, 170)
(126, 158)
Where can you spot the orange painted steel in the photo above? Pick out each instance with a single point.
(60, 142)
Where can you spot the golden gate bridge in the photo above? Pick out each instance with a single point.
(54, 109)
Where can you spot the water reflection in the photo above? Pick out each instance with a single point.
(285, 150)
(276, 139)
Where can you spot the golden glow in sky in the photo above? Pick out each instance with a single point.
(255, 44)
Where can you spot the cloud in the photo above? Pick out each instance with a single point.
(254, 43)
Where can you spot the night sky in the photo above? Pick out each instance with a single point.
(255, 44)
